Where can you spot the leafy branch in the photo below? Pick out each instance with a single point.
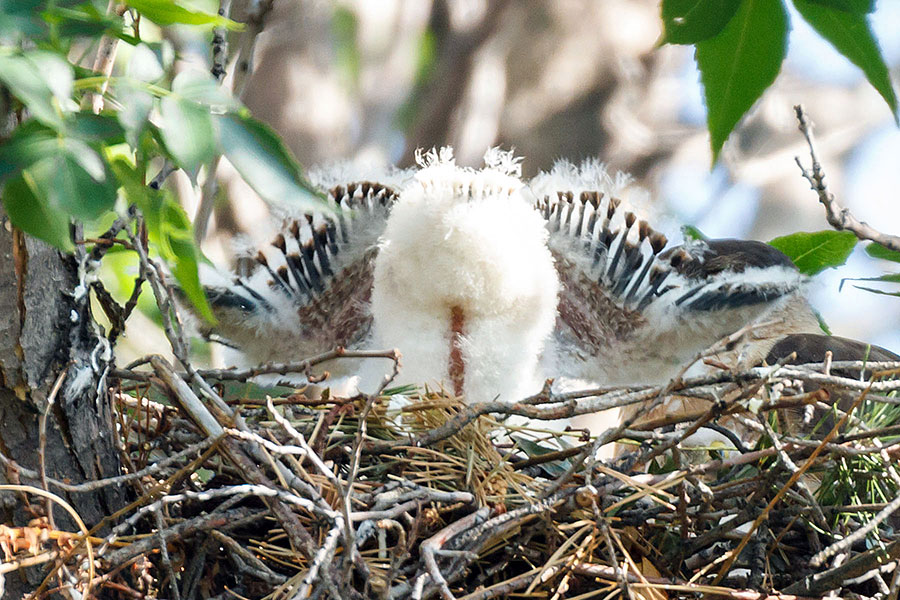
(740, 45)
(64, 163)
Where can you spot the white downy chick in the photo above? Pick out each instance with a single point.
(464, 282)
(448, 264)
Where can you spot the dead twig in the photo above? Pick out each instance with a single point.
(834, 578)
(837, 216)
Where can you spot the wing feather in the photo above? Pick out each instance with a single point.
(625, 295)
(309, 290)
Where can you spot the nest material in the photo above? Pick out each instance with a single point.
(275, 493)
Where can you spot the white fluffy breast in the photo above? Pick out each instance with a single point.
(488, 256)
(466, 240)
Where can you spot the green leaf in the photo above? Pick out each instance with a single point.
(42, 81)
(84, 20)
(97, 128)
(530, 447)
(690, 232)
(266, 164)
(203, 475)
(20, 19)
(144, 65)
(84, 187)
(29, 143)
(33, 216)
(856, 6)
(64, 173)
(739, 63)
(253, 391)
(188, 133)
(201, 87)
(533, 449)
(135, 114)
(187, 258)
(75, 180)
(345, 29)
(815, 252)
(876, 250)
(409, 388)
(168, 12)
(876, 291)
(170, 230)
(851, 34)
(886, 278)
(692, 21)
(426, 66)
(822, 324)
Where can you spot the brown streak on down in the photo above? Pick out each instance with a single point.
(456, 367)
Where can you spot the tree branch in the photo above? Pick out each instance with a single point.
(838, 217)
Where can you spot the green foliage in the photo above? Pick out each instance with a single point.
(854, 6)
(887, 278)
(33, 216)
(426, 64)
(253, 391)
(345, 28)
(878, 251)
(860, 480)
(170, 230)
(890, 278)
(739, 63)
(187, 130)
(815, 252)
(42, 81)
(20, 19)
(690, 232)
(409, 388)
(692, 21)
(265, 163)
(169, 12)
(823, 325)
(533, 449)
(740, 45)
(64, 163)
(850, 33)
(57, 176)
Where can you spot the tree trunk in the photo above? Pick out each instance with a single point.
(45, 328)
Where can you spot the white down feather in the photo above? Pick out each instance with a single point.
(469, 239)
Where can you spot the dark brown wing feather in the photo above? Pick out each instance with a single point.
(811, 348)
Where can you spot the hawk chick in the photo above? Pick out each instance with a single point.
(488, 284)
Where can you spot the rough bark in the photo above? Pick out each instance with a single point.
(45, 328)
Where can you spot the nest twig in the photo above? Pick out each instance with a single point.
(243, 491)
(359, 497)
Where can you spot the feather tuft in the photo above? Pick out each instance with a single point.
(504, 161)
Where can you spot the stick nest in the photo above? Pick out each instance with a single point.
(243, 491)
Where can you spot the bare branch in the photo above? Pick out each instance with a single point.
(104, 62)
(838, 217)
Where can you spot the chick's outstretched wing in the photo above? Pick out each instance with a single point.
(628, 301)
(309, 290)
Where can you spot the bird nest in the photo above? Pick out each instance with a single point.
(245, 491)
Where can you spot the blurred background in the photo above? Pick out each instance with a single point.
(374, 80)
